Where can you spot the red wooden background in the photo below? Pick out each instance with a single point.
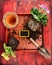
(26, 57)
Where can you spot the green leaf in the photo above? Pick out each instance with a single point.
(36, 17)
(12, 53)
(34, 10)
(7, 49)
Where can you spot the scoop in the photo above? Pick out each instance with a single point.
(42, 50)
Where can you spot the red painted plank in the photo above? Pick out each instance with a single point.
(25, 57)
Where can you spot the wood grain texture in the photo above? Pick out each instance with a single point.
(26, 57)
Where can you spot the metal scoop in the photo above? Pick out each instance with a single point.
(42, 50)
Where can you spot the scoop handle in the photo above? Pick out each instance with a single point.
(34, 42)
